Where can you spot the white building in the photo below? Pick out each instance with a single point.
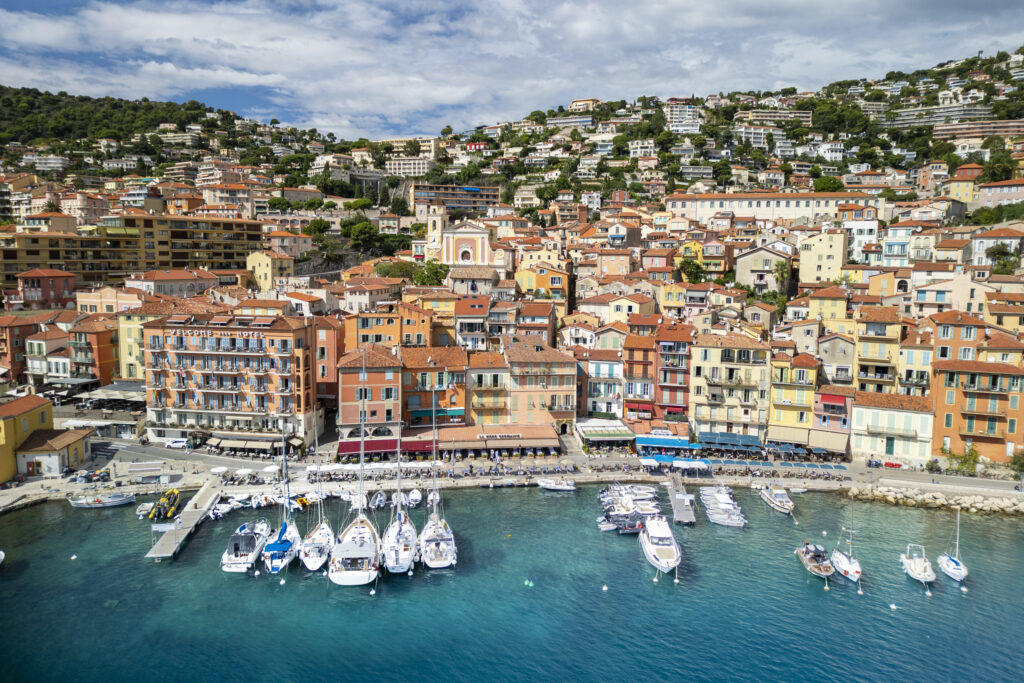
(409, 166)
(892, 427)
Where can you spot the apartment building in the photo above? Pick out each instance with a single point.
(408, 166)
(182, 283)
(601, 392)
(434, 385)
(775, 206)
(892, 427)
(131, 338)
(791, 415)
(822, 256)
(729, 383)
(369, 402)
(488, 381)
(389, 324)
(543, 389)
(269, 268)
(42, 288)
(879, 330)
(672, 342)
(473, 198)
(246, 381)
(94, 349)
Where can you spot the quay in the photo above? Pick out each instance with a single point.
(681, 512)
(184, 523)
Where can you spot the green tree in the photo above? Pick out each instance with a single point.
(385, 195)
(692, 271)
(357, 204)
(317, 227)
(52, 207)
(432, 274)
(411, 148)
(419, 230)
(1017, 463)
(782, 271)
(402, 269)
(400, 206)
(364, 237)
(828, 184)
(279, 204)
(446, 131)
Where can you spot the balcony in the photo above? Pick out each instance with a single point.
(917, 380)
(876, 377)
(791, 403)
(891, 431)
(879, 333)
(489, 403)
(985, 388)
(795, 381)
(871, 359)
(978, 410)
(982, 432)
(842, 378)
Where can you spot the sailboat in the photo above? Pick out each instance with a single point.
(950, 562)
(399, 547)
(355, 556)
(283, 546)
(437, 542)
(843, 560)
(316, 546)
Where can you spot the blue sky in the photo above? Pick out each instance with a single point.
(380, 67)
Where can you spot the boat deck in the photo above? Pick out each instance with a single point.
(194, 511)
(681, 514)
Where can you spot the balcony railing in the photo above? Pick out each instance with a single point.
(489, 403)
(985, 388)
(919, 381)
(891, 431)
(982, 432)
(876, 377)
(979, 410)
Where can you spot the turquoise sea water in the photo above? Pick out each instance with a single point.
(744, 608)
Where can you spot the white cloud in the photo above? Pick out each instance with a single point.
(361, 67)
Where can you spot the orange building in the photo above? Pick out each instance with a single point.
(369, 401)
(391, 324)
(543, 385)
(329, 339)
(434, 385)
(94, 349)
(242, 381)
(978, 403)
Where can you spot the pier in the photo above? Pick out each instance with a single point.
(677, 495)
(184, 523)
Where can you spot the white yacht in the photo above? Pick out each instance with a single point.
(379, 500)
(777, 499)
(284, 547)
(720, 507)
(415, 498)
(245, 546)
(437, 543)
(949, 561)
(659, 544)
(355, 558)
(916, 565)
(399, 548)
(560, 484)
(316, 546)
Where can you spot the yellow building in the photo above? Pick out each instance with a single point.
(962, 189)
(829, 305)
(823, 256)
(673, 299)
(268, 266)
(790, 416)
(914, 363)
(29, 444)
(129, 328)
(878, 346)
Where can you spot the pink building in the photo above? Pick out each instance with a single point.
(43, 288)
(1002, 192)
(292, 243)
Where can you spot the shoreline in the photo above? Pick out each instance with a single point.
(973, 500)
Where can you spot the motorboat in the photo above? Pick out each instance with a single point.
(379, 500)
(777, 499)
(720, 507)
(949, 561)
(245, 546)
(415, 498)
(437, 543)
(399, 546)
(813, 557)
(284, 547)
(316, 546)
(399, 499)
(916, 565)
(659, 544)
(357, 501)
(144, 509)
(165, 507)
(433, 497)
(560, 484)
(102, 500)
(355, 556)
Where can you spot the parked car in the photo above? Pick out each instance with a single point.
(177, 443)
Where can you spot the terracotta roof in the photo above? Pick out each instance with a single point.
(728, 341)
(479, 360)
(978, 366)
(20, 406)
(52, 333)
(805, 360)
(528, 352)
(377, 356)
(45, 272)
(1001, 232)
(879, 314)
(473, 305)
(837, 390)
(956, 318)
(833, 292)
(453, 357)
(52, 439)
(873, 399)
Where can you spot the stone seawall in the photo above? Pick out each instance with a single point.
(911, 497)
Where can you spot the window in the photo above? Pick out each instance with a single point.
(966, 353)
(945, 352)
(949, 420)
(1011, 426)
(949, 397)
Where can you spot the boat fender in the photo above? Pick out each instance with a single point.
(846, 573)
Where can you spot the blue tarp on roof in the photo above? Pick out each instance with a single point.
(662, 441)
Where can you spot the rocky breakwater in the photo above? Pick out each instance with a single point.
(910, 497)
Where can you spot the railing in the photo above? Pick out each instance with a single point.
(842, 377)
(876, 376)
(987, 433)
(987, 388)
(978, 410)
(891, 431)
(795, 381)
(917, 381)
(489, 403)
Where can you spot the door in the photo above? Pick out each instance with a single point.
(30, 468)
(890, 445)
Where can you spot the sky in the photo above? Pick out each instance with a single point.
(376, 68)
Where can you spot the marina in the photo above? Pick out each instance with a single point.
(174, 537)
(507, 537)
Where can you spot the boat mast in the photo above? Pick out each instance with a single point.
(362, 434)
(398, 501)
(433, 442)
(956, 547)
(287, 487)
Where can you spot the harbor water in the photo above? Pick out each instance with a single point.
(525, 603)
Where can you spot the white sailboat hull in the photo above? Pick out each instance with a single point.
(952, 567)
(845, 565)
(437, 544)
(400, 548)
(355, 558)
(316, 547)
(275, 561)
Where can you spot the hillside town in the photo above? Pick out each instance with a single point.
(828, 276)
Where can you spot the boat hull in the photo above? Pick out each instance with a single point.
(821, 569)
(952, 567)
(846, 565)
(102, 501)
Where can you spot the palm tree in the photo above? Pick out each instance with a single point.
(782, 272)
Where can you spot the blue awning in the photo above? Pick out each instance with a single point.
(663, 458)
(839, 467)
(662, 441)
(785, 463)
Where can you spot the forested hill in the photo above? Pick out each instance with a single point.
(27, 114)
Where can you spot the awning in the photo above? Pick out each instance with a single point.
(673, 409)
(833, 400)
(523, 443)
(213, 442)
(787, 434)
(260, 445)
(639, 406)
(232, 443)
(830, 441)
(417, 446)
(370, 446)
(662, 441)
(295, 441)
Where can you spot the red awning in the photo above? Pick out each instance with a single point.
(417, 446)
(673, 409)
(372, 446)
(833, 400)
(639, 406)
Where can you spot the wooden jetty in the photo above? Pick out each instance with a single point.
(682, 502)
(177, 530)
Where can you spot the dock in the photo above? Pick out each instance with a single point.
(178, 530)
(682, 502)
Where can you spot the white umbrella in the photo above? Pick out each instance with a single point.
(271, 468)
(242, 472)
(218, 470)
